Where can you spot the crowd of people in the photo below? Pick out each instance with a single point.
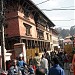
(48, 64)
(20, 67)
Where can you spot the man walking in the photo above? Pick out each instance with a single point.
(44, 63)
(56, 69)
(14, 69)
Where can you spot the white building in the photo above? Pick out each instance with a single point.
(7, 57)
(54, 43)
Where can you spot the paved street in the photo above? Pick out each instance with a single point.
(67, 70)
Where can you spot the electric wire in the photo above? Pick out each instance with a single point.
(55, 9)
(67, 7)
(61, 8)
(47, 9)
(64, 8)
(49, 0)
(43, 2)
(64, 20)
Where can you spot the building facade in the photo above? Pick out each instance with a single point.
(27, 24)
(54, 40)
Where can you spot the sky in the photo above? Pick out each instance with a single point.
(61, 18)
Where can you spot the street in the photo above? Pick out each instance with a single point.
(67, 70)
(38, 30)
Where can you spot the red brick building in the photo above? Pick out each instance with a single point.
(26, 24)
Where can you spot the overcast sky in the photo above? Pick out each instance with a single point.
(61, 18)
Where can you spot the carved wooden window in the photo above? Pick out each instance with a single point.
(40, 34)
(27, 31)
(28, 27)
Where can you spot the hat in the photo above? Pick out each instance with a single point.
(21, 55)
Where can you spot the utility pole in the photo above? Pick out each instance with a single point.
(2, 22)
